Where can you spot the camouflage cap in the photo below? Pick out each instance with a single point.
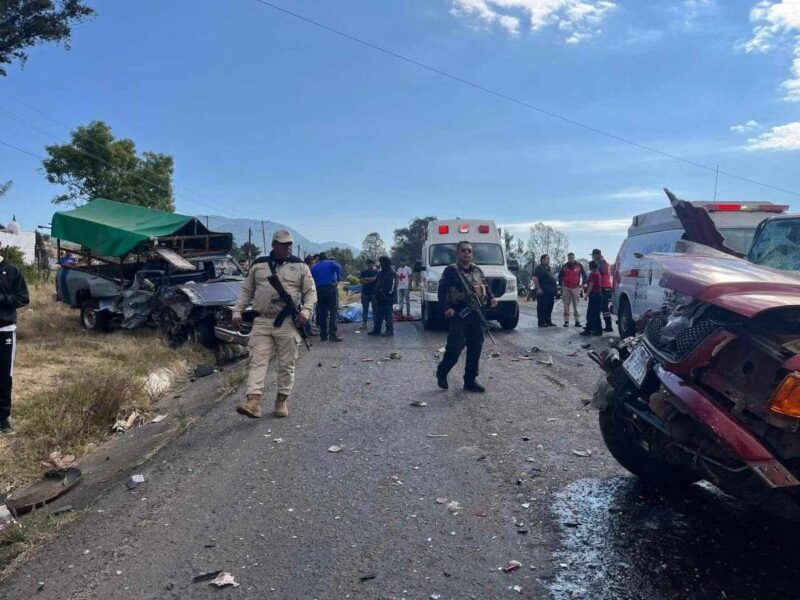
(282, 236)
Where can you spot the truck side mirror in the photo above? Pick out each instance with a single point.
(418, 268)
(513, 265)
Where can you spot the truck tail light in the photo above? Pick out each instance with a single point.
(444, 229)
(786, 399)
(483, 229)
(463, 228)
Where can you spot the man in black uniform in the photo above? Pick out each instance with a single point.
(546, 288)
(465, 324)
(13, 295)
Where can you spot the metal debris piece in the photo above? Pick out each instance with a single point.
(441, 501)
(224, 580)
(419, 403)
(512, 566)
(548, 361)
(583, 453)
(335, 449)
(53, 484)
(206, 576)
(367, 360)
(367, 577)
(495, 355)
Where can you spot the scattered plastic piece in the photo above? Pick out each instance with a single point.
(419, 403)
(512, 566)
(224, 580)
(335, 449)
(206, 576)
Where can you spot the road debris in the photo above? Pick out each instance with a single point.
(573, 353)
(56, 460)
(495, 355)
(481, 513)
(367, 577)
(54, 483)
(517, 589)
(453, 507)
(224, 580)
(335, 449)
(419, 403)
(123, 425)
(586, 346)
(64, 509)
(206, 576)
(395, 356)
(135, 481)
(278, 440)
(512, 566)
(583, 453)
(534, 350)
(546, 361)
(441, 501)
(438, 435)
(158, 418)
(367, 360)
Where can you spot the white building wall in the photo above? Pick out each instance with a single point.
(25, 241)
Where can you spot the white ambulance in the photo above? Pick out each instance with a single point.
(439, 251)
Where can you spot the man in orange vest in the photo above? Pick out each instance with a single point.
(606, 283)
(571, 277)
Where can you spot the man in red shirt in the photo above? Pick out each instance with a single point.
(571, 278)
(606, 283)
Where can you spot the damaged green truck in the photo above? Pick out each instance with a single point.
(126, 266)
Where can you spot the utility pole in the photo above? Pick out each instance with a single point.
(263, 237)
(249, 243)
(716, 178)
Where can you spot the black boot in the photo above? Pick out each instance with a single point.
(441, 381)
(473, 386)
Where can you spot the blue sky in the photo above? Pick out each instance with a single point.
(268, 117)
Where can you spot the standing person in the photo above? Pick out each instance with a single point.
(404, 274)
(546, 288)
(274, 333)
(369, 278)
(572, 278)
(595, 308)
(327, 275)
(385, 297)
(606, 285)
(13, 295)
(465, 325)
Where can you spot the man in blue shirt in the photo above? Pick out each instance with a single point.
(327, 274)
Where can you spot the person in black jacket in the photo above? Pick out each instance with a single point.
(385, 298)
(465, 324)
(13, 295)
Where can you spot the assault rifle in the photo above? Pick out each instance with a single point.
(289, 309)
(474, 302)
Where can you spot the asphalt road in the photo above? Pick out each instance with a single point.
(266, 501)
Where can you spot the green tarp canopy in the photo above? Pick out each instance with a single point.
(115, 229)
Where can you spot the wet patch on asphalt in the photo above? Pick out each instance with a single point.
(623, 540)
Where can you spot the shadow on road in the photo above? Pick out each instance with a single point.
(623, 540)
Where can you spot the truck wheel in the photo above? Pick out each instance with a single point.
(94, 319)
(509, 323)
(625, 446)
(428, 322)
(625, 322)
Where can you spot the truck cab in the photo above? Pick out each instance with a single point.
(439, 251)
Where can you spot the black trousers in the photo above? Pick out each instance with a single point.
(544, 307)
(327, 310)
(593, 311)
(463, 333)
(8, 348)
(607, 294)
(366, 302)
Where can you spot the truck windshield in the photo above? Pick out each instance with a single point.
(483, 254)
(738, 239)
(777, 245)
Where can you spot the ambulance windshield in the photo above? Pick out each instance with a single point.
(483, 254)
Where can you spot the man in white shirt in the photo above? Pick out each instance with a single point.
(404, 287)
(13, 295)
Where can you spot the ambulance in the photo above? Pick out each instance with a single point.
(439, 251)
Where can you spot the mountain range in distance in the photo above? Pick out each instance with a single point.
(239, 229)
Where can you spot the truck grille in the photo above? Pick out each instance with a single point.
(497, 285)
(684, 342)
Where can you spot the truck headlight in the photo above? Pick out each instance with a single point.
(432, 286)
(511, 286)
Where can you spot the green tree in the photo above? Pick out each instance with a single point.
(373, 246)
(26, 23)
(96, 165)
(546, 240)
(344, 256)
(408, 241)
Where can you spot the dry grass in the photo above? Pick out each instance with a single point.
(232, 379)
(70, 385)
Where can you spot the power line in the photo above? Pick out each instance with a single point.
(514, 100)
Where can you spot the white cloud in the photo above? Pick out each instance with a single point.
(775, 21)
(593, 226)
(745, 127)
(579, 19)
(782, 137)
(636, 194)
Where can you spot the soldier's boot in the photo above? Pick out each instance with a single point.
(282, 406)
(251, 408)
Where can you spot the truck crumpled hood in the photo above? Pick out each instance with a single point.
(730, 283)
(214, 293)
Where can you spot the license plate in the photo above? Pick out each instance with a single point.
(637, 364)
